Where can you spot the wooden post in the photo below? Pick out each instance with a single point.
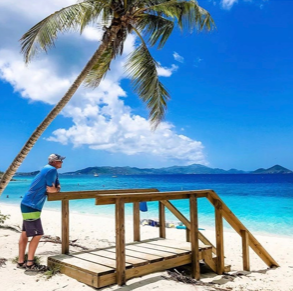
(245, 250)
(219, 236)
(120, 242)
(194, 237)
(136, 222)
(187, 235)
(65, 227)
(162, 220)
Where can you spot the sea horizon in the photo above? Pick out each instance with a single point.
(263, 203)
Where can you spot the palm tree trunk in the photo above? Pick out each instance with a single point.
(54, 112)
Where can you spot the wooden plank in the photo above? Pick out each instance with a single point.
(194, 237)
(81, 276)
(178, 244)
(158, 253)
(238, 226)
(128, 259)
(245, 250)
(104, 199)
(158, 266)
(120, 242)
(65, 227)
(207, 256)
(187, 235)
(93, 268)
(162, 220)
(111, 263)
(219, 237)
(186, 222)
(144, 256)
(136, 222)
(170, 250)
(73, 195)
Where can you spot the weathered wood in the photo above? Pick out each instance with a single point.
(81, 276)
(104, 199)
(136, 222)
(73, 195)
(108, 262)
(162, 220)
(187, 235)
(138, 254)
(128, 259)
(219, 236)
(65, 227)
(158, 266)
(164, 248)
(194, 237)
(245, 250)
(207, 256)
(238, 226)
(186, 222)
(90, 267)
(152, 251)
(120, 241)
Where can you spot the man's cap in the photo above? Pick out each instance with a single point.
(55, 157)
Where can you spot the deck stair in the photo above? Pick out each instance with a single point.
(116, 264)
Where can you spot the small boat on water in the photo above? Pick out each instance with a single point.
(114, 176)
(96, 175)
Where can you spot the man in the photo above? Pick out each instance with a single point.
(31, 206)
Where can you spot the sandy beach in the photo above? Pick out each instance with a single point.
(94, 231)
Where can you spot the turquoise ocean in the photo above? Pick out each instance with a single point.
(263, 203)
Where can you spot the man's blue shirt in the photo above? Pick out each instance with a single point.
(35, 197)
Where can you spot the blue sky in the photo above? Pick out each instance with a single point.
(231, 91)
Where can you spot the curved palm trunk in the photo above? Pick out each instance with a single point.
(54, 112)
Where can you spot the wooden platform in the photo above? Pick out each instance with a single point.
(97, 268)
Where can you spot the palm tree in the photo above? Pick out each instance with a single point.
(152, 20)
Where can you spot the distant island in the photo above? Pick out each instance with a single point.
(187, 170)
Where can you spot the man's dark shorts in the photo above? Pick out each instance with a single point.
(32, 223)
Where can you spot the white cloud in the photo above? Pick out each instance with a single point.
(100, 118)
(178, 58)
(166, 72)
(227, 4)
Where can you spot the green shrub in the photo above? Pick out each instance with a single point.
(3, 217)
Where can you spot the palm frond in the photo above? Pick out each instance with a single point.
(142, 69)
(155, 27)
(100, 69)
(188, 13)
(43, 34)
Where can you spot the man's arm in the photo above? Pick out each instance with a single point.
(53, 189)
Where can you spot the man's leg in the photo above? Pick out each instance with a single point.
(22, 246)
(32, 249)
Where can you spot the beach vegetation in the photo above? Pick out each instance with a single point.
(3, 217)
(37, 259)
(151, 21)
(52, 270)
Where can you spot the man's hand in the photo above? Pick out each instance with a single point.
(53, 189)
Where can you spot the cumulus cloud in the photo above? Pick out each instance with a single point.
(166, 72)
(178, 58)
(100, 118)
(227, 4)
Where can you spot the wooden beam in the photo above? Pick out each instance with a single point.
(136, 222)
(73, 195)
(65, 227)
(186, 222)
(245, 250)
(120, 241)
(104, 199)
(162, 220)
(238, 226)
(219, 237)
(194, 237)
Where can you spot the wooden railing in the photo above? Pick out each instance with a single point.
(120, 197)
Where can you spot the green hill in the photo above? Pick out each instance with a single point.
(277, 169)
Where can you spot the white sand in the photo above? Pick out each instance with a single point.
(95, 231)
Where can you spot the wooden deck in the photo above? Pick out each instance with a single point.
(97, 268)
